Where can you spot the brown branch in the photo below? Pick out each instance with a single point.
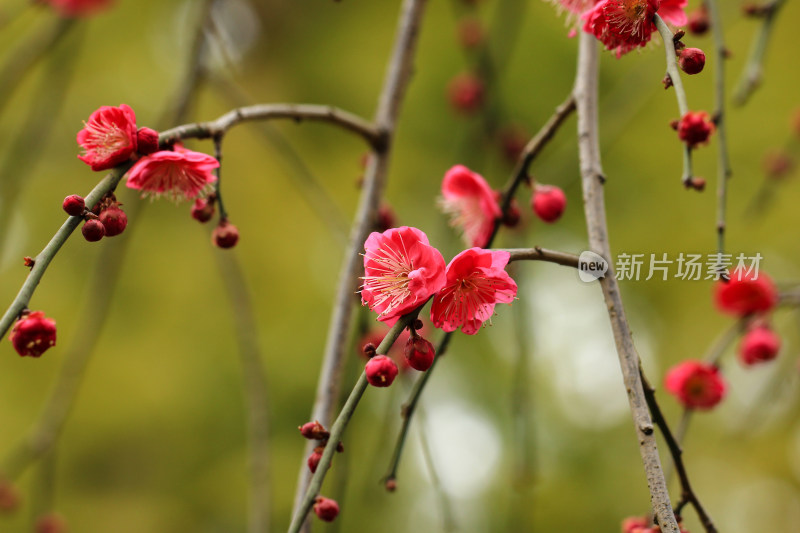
(395, 84)
(687, 493)
(529, 153)
(592, 179)
(296, 112)
(542, 254)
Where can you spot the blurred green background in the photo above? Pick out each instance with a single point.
(156, 441)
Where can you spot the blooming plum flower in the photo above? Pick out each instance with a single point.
(109, 137)
(471, 204)
(745, 293)
(673, 11)
(476, 282)
(696, 385)
(33, 334)
(758, 345)
(401, 271)
(181, 174)
(623, 25)
(635, 524)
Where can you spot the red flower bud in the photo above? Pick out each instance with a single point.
(93, 230)
(314, 431)
(225, 235)
(743, 295)
(381, 371)
(147, 141)
(203, 209)
(777, 164)
(51, 523)
(758, 345)
(114, 220)
(692, 60)
(699, 23)
(326, 509)
(696, 385)
(466, 92)
(386, 218)
(74, 205)
(313, 461)
(33, 334)
(548, 202)
(9, 497)
(694, 128)
(470, 33)
(419, 353)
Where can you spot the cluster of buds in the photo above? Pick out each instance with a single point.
(105, 219)
(316, 431)
(325, 508)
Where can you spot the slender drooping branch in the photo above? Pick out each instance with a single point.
(750, 78)
(337, 430)
(396, 82)
(592, 178)
(687, 493)
(296, 112)
(45, 430)
(724, 171)
(25, 56)
(529, 153)
(255, 390)
(680, 94)
(42, 261)
(307, 182)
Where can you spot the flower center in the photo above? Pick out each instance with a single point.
(390, 281)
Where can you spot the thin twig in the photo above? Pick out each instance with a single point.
(680, 94)
(337, 430)
(448, 520)
(36, 129)
(538, 253)
(255, 389)
(687, 493)
(529, 153)
(586, 82)
(296, 112)
(307, 183)
(752, 73)
(42, 260)
(26, 55)
(46, 429)
(396, 82)
(724, 171)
